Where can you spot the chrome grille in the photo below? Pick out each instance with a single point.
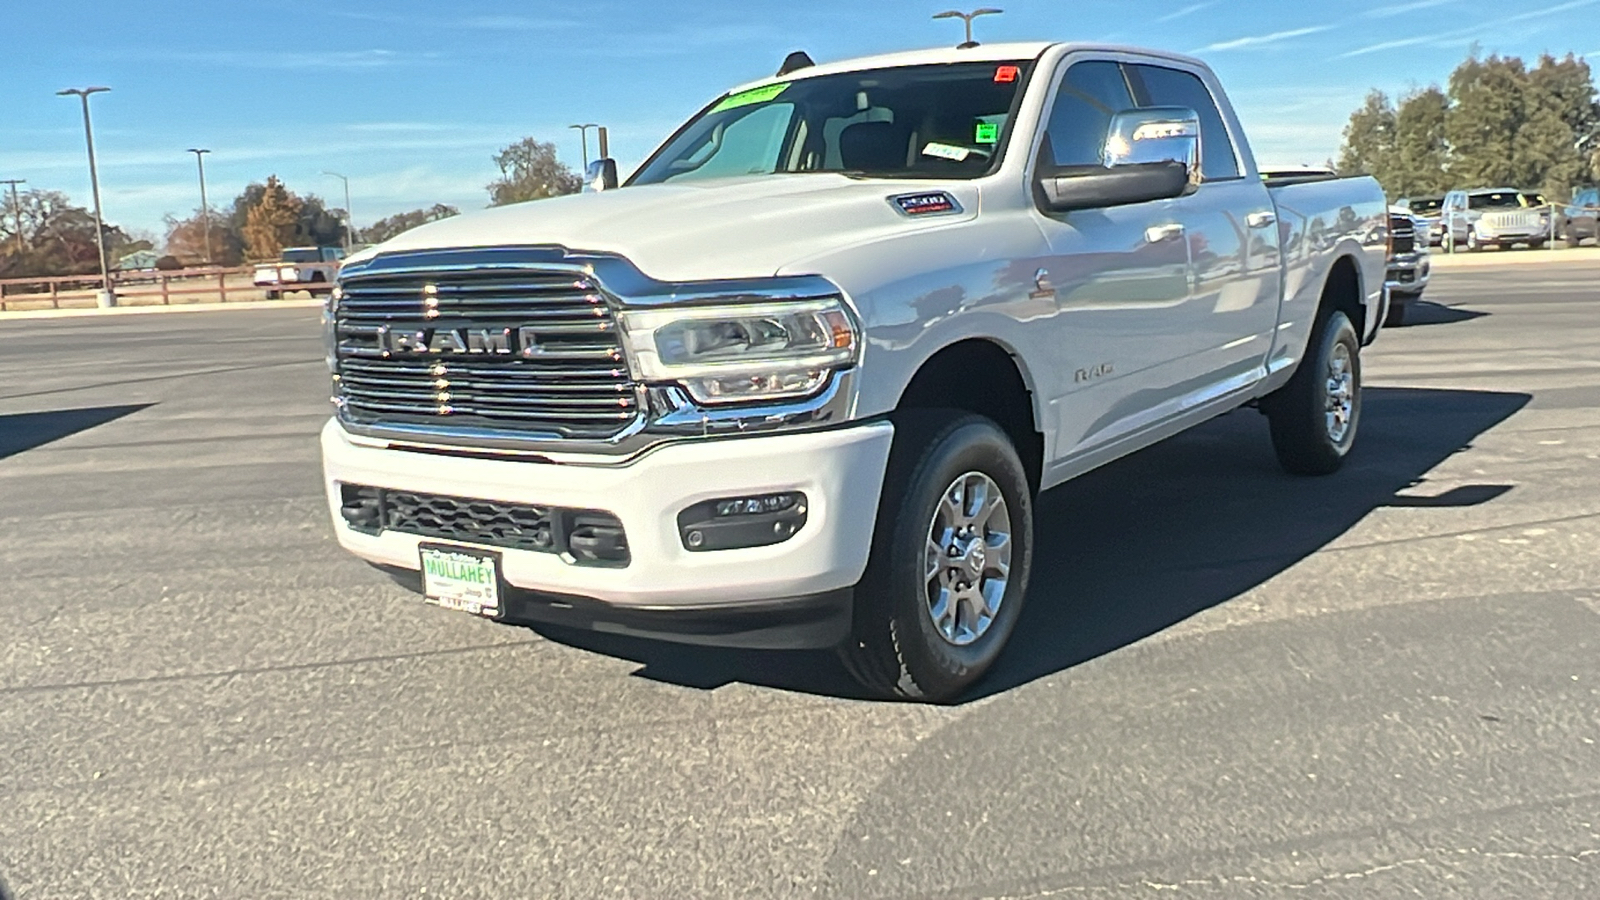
(573, 384)
(1403, 233)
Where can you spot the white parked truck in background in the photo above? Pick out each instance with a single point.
(309, 269)
(798, 381)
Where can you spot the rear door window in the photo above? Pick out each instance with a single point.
(1161, 86)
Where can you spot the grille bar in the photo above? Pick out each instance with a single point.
(544, 355)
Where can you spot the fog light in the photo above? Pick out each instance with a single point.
(733, 522)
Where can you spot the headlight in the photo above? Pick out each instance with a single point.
(744, 353)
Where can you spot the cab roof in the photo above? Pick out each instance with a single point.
(1022, 50)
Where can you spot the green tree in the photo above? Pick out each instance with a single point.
(1487, 112)
(1560, 109)
(389, 226)
(1369, 138)
(529, 170)
(1420, 162)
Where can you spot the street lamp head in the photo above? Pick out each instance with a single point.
(81, 92)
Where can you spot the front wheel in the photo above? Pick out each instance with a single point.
(1473, 244)
(950, 559)
(1536, 245)
(1313, 418)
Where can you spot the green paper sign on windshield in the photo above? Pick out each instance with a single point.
(987, 133)
(754, 95)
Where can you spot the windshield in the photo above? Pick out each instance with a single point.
(936, 121)
(1495, 200)
(1424, 207)
(302, 256)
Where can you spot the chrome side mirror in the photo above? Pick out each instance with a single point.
(601, 176)
(1157, 134)
(1149, 154)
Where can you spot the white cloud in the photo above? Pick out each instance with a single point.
(1262, 40)
(1189, 10)
(1481, 30)
(1386, 12)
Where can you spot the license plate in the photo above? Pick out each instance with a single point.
(461, 579)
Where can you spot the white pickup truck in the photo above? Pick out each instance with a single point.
(798, 381)
(309, 269)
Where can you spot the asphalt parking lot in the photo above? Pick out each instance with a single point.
(1228, 682)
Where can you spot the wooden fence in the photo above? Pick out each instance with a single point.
(140, 288)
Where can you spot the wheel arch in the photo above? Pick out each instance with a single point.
(984, 376)
(1344, 290)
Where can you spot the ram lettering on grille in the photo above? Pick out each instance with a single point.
(532, 352)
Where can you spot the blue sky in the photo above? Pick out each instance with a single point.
(410, 99)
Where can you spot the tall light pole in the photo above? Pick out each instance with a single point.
(349, 220)
(583, 133)
(107, 297)
(205, 209)
(967, 19)
(16, 207)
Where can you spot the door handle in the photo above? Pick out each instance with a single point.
(1261, 219)
(1155, 234)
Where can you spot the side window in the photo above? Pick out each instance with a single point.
(1171, 87)
(1091, 93)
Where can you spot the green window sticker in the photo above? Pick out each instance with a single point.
(987, 133)
(754, 95)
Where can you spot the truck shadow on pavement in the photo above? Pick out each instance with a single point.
(1144, 543)
(1427, 312)
(25, 431)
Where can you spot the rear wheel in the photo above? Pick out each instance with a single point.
(1473, 244)
(950, 559)
(1572, 239)
(273, 295)
(1313, 418)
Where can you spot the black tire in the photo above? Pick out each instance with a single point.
(895, 649)
(1397, 310)
(1536, 245)
(1298, 412)
(273, 295)
(1572, 239)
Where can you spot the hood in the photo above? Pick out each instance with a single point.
(717, 228)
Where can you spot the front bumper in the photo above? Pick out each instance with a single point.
(665, 589)
(1512, 234)
(1408, 273)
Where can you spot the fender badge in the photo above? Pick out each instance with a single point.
(928, 203)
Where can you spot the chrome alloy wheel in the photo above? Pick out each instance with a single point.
(968, 558)
(1341, 393)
